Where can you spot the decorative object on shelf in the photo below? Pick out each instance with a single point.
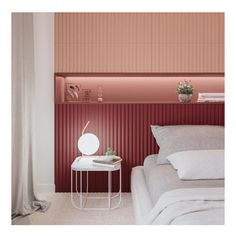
(211, 97)
(86, 97)
(88, 143)
(185, 91)
(72, 92)
(100, 97)
(185, 98)
(110, 152)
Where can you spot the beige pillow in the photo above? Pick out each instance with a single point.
(176, 138)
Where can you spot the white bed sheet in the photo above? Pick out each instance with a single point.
(162, 178)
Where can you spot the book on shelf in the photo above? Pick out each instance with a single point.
(210, 100)
(108, 163)
(211, 97)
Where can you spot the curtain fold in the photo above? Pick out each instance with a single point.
(24, 200)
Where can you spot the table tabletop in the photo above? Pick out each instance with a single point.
(85, 163)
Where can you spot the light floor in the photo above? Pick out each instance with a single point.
(61, 212)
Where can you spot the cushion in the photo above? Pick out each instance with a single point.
(178, 138)
(198, 164)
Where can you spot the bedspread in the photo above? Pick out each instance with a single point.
(188, 206)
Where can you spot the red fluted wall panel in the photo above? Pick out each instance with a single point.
(125, 128)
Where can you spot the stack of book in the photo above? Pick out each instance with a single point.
(211, 97)
(107, 163)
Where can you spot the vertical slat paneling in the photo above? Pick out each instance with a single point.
(139, 42)
(124, 127)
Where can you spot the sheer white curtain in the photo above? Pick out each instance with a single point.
(24, 200)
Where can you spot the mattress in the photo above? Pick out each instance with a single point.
(162, 178)
(142, 203)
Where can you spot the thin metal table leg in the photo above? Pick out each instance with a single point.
(87, 184)
(120, 185)
(72, 197)
(109, 189)
(81, 189)
(86, 196)
(71, 186)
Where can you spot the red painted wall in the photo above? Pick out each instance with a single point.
(125, 128)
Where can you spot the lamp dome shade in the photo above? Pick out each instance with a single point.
(88, 144)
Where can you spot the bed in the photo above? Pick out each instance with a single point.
(162, 194)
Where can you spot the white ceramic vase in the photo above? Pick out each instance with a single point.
(185, 98)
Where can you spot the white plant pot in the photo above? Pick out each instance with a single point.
(185, 98)
(106, 158)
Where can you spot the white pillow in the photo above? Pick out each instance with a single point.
(177, 138)
(198, 164)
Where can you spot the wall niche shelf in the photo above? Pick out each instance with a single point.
(115, 88)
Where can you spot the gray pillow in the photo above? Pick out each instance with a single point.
(176, 138)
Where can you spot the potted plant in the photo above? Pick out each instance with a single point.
(110, 152)
(185, 91)
(109, 155)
